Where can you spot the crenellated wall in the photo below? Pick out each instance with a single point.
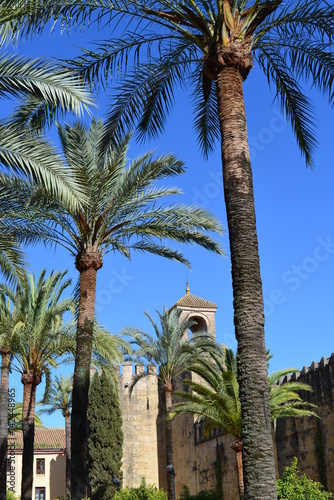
(310, 439)
(204, 464)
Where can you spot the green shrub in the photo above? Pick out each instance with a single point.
(144, 492)
(202, 495)
(294, 486)
(11, 495)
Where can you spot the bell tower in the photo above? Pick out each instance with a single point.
(201, 310)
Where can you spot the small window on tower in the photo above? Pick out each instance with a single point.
(147, 404)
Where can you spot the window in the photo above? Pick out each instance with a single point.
(40, 466)
(40, 493)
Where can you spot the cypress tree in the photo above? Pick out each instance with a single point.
(105, 437)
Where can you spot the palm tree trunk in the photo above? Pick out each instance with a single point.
(237, 447)
(30, 382)
(68, 453)
(87, 264)
(4, 387)
(258, 456)
(169, 441)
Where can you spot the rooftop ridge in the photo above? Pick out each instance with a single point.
(46, 438)
(190, 300)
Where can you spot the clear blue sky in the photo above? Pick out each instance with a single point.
(294, 208)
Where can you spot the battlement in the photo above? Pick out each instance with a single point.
(314, 367)
(129, 370)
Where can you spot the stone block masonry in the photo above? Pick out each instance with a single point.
(139, 414)
(310, 439)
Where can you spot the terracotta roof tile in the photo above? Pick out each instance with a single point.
(190, 300)
(52, 438)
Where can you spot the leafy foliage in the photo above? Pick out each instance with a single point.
(170, 351)
(122, 211)
(105, 437)
(294, 486)
(215, 397)
(290, 40)
(39, 336)
(59, 396)
(143, 492)
(202, 495)
(15, 418)
(11, 495)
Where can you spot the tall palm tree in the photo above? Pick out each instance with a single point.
(108, 351)
(209, 49)
(39, 339)
(60, 398)
(121, 213)
(214, 398)
(171, 352)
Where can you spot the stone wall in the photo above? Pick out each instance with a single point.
(209, 463)
(139, 415)
(311, 440)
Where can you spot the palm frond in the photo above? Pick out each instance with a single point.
(47, 90)
(206, 122)
(293, 102)
(36, 158)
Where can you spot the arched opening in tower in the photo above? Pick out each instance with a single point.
(200, 325)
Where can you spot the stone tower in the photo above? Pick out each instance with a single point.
(201, 310)
(185, 452)
(144, 449)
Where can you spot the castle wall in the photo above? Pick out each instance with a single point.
(310, 439)
(209, 463)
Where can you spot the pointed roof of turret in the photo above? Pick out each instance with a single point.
(189, 300)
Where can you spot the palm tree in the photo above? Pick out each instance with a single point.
(44, 91)
(39, 338)
(209, 49)
(121, 213)
(108, 351)
(214, 398)
(171, 352)
(15, 418)
(60, 398)
(19, 225)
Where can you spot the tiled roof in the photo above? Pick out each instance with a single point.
(190, 300)
(52, 438)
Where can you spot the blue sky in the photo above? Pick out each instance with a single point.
(294, 207)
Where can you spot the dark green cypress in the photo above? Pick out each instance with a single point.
(105, 437)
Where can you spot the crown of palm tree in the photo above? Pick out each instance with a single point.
(19, 225)
(59, 396)
(121, 212)
(39, 335)
(291, 42)
(15, 418)
(215, 397)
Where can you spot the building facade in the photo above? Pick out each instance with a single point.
(49, 463)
